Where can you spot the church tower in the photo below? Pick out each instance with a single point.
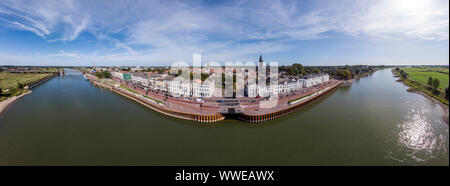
(260, 64)
(260, 70)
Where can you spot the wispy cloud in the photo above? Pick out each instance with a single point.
(61, 19)
(155, 31)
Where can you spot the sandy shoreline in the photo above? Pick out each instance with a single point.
(5, 103)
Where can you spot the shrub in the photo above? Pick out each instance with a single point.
(435, 84)
(20, 85)
(446, 92)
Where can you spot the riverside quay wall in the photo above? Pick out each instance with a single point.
(36, 83)
(215, 117)
(266, 116)
(204, 118)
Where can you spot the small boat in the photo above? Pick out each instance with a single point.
(84, 76)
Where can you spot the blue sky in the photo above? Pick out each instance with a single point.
(319, 32)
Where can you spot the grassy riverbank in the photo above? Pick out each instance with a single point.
(13, 84)
(296, 99)
(421, 75)
(135, 92)
(128, 89)
(417, 81)
(365, 74)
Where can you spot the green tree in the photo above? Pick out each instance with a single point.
(300, 68)
(106, 74)
(282, 68)
(403, 74)
(316, 70)
(1, 91)
(204, 76)
(20, 86)
(435, 84)
(430, 81)
(289, 71)
(349, 74)
(293, 71)
(344, 74)
(446, 92)
(99, 74)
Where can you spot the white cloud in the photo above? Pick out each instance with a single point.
(388, 19)
(24, 27)
(149, 32)
(53, 20)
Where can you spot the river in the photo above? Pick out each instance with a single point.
(69, 121)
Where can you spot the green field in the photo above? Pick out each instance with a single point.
(10, 80)
(417, 80)
(9, 83)
(50, 69)
(421, 74)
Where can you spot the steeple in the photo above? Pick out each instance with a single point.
(260, 58)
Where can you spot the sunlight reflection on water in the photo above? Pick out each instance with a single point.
(417, 137)
(417, 134)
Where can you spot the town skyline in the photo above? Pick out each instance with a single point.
(142, 33)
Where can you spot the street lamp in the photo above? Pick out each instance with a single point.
(289, 100)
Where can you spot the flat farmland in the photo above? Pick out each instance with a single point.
(421, 75)
(10, 80)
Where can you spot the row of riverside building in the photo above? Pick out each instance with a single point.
(168, 83)
(197, 88)
(286, 86)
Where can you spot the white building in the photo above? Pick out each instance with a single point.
(117, 75)
(202, 89)
(285, 86)
(178, 87)
(158, 81)
(313, 80)
(140, 79)
(325, 77)
(190, 89)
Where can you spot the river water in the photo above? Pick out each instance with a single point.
(69, 121)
